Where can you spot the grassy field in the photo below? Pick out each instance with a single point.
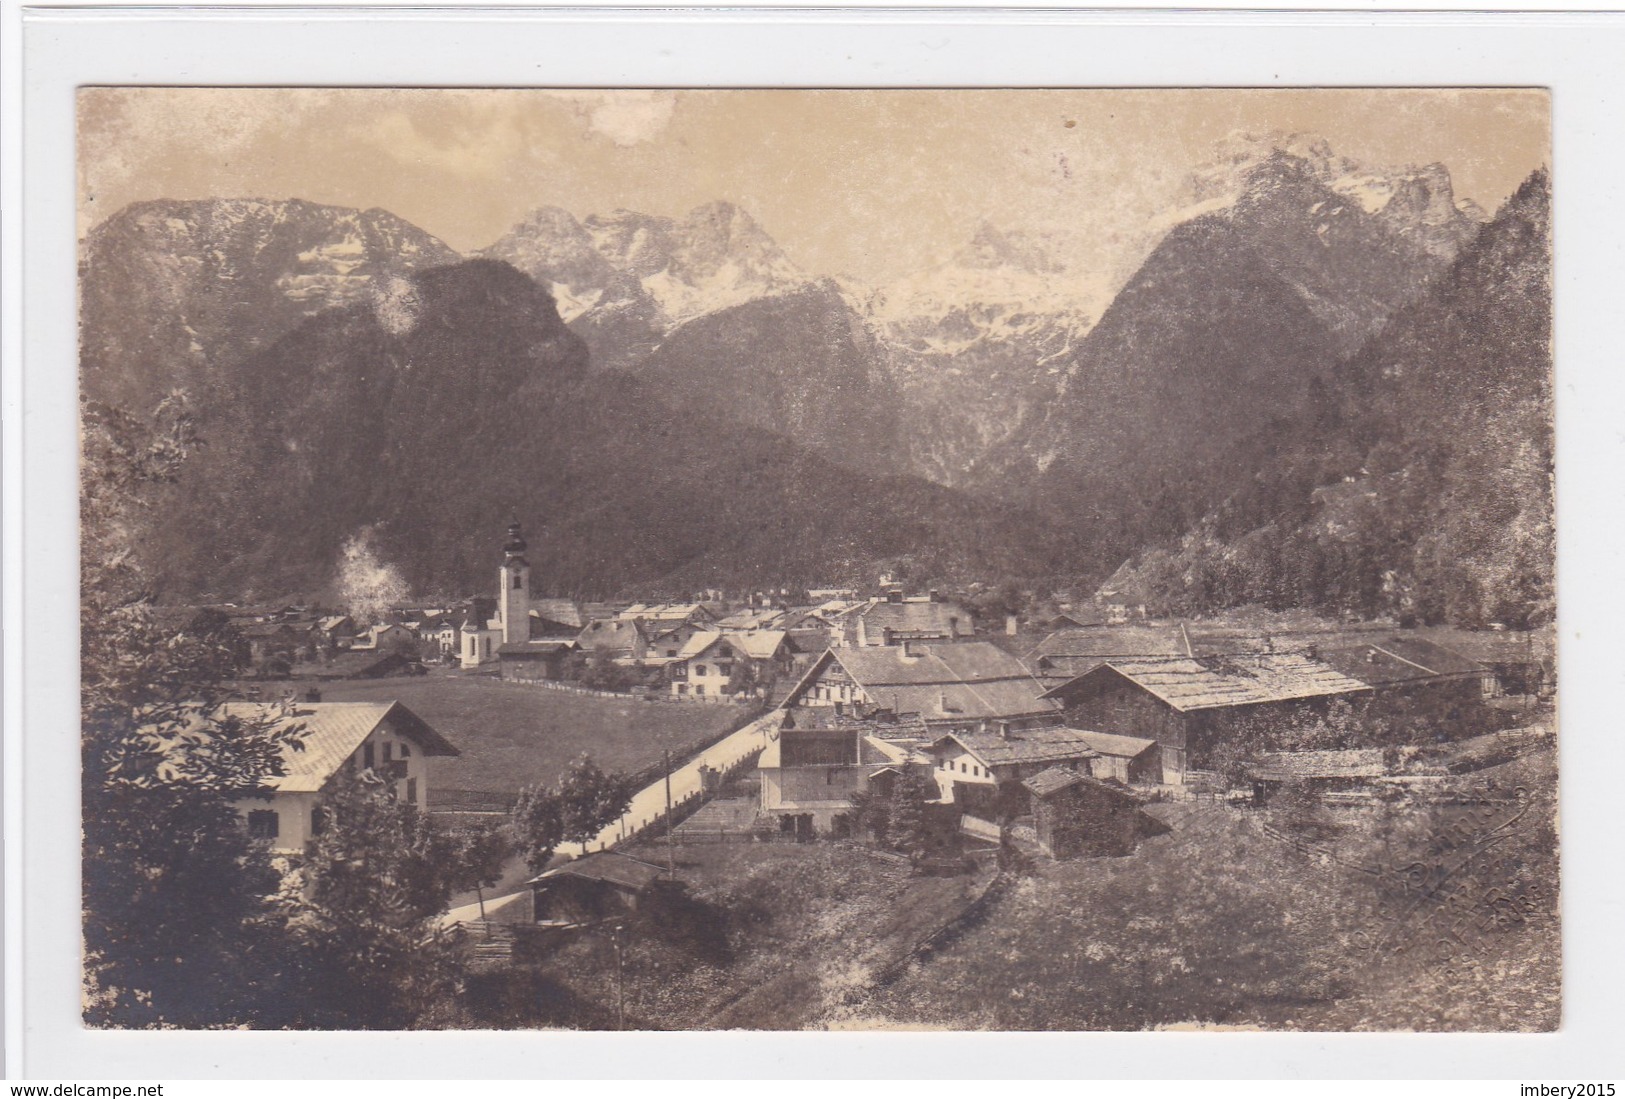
(512, 735)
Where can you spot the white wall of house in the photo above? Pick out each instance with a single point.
(390, 755)
(957, 765)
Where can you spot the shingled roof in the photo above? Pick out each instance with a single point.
(606, 866)
(1215, 682)
(954, 680)
(332, 733)
(1032, 746)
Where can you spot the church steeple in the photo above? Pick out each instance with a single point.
(513, 590)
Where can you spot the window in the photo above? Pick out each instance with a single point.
(518, 582)
(725, 669)
(671, 652)
(412, 791)
(318, 821)
(406, 750)
(366, 755)
(263, 824)
(682, 688)
(387, 747)
(699, 688)
(699, 669)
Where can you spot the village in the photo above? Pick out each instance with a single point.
(954, 751)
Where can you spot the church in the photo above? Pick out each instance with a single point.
(506, 639)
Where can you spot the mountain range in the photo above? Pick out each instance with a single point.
(672, 400)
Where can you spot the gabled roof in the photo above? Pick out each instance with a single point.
(332, 733)
(1031, 746)
(566, 612)
(952, 680)
(612, 633)
(606, 866)
(936, 619)
(1052, 780)
(1214, 682)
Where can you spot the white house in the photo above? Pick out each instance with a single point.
(385, 738)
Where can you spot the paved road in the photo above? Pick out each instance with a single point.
(650, 802)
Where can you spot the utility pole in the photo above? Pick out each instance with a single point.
(671, 849)
(620, 981)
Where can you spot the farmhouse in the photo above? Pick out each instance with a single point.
(1321, 771)
(385, 738)
(967, 685)
(989, 760)
(716, 664)
(1186, 703)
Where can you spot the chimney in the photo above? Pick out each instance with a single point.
(1011, 626)
(935, 595)
(912, 648)
(1312, 652)
(1004, 730)
(885, 635)
(895, 595)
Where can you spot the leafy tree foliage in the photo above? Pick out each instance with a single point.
(586, 801)
(179, 925)
(376, 881)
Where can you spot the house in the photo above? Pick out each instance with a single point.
(1076, 814)
(331, 631)
(385, 738)
(714, 664)
(965, 685)
(668, 638)
(596, 887)
(625, 641)
(895, 619)
(809, 774)
(669, 613)
(387, 636)
(1187, 703)
(969, 768)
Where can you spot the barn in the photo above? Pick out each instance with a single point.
(1185, 704)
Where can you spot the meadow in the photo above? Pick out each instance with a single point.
(514, 735)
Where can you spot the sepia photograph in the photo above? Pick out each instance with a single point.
(959, 559)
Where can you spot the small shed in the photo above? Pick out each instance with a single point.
(1075, 814)
(596, 887)
(1322, 771)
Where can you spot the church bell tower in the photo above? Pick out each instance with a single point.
(513, 591)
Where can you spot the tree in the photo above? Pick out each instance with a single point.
(587, 800)
(478, 857)
(909, 828)
(179, 924)
(376, 880)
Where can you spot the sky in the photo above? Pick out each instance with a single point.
(873, 185)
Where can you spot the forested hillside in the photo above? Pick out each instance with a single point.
(1424, 489)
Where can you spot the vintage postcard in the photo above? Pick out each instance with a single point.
(1035, 560)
